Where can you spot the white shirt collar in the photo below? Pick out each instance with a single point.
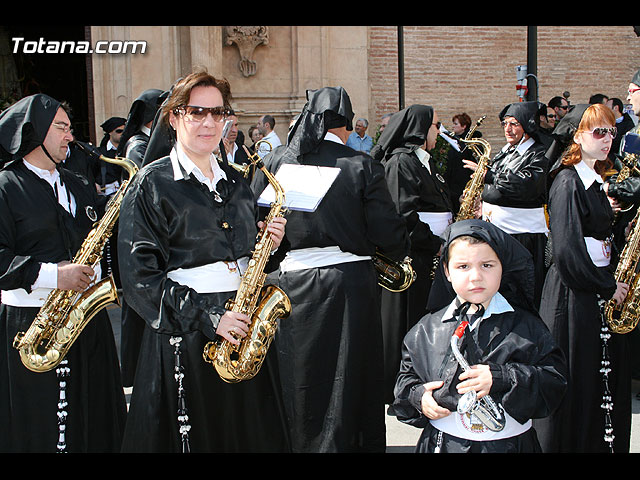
(520, 147)
(146, 130)
(424, 157)
(587, 175)
(232, 153)
(179, 158)
(48, 175)
(111, 146)
(65, 198)
(498, 304)
(332, 137)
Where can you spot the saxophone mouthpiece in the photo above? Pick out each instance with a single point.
(87, 148)
(460, 329)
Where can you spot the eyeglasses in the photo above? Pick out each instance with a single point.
(551, 117)
(600, 132)
(506, 124)
(195, 114)
(120, 130)
(563, 107)
(66, 128)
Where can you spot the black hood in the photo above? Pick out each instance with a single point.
(526, 113)
(24, 125)
(563, 135)
(328, 107)
(517, 284)
(143, 110)
(406, 130)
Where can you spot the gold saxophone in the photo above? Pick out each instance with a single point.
(472, 191)
(392, 275)
(65, 313)
(263, 304)
(623, 318)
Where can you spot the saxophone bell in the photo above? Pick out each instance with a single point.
(394, 276)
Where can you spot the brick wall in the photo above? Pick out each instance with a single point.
(473, 68)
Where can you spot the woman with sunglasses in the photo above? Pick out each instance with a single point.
(188, 224)
(581, 273)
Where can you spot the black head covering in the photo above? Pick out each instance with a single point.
(24, 125)
(563, 135)
(527, 115)
(406, 130)
(517, 283)
(163, 137)
(109, 126)
(143, 110)
(112, 123)
(636, 78)
(328, 107)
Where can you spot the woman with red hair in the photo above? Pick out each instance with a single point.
(580, 277)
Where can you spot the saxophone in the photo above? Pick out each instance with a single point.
(472, 191)
(485, 409)
(263, 304)
(623, 318)
(65, 313)
(629, 163)
(394, 276)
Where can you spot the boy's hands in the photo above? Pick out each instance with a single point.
(478, 378)
(430, 408)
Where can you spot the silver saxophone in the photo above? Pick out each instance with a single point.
(485, 409)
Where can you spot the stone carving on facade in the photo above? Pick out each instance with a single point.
(246, 38)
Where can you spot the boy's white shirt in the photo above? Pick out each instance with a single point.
(498, 304)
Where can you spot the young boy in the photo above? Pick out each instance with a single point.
(514, 361)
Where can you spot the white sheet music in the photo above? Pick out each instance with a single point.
(304, 186)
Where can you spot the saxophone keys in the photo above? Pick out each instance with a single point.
(52, 355)
(63, 335)
(467, 402)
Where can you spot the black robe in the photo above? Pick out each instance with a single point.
(414, 188)
(570, 309)
(520, 180)
(34, 228)
(132, 326)
(167, 224)
(526, 366)
(330, 347)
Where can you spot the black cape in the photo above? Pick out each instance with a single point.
(330, 347)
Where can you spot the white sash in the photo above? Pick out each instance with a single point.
(514, 220)
(314, 257)
(469, 428)
(599, 251)
(20, 298)
(437, 221)
(213, 277)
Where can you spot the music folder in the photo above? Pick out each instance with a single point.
(304, 186)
